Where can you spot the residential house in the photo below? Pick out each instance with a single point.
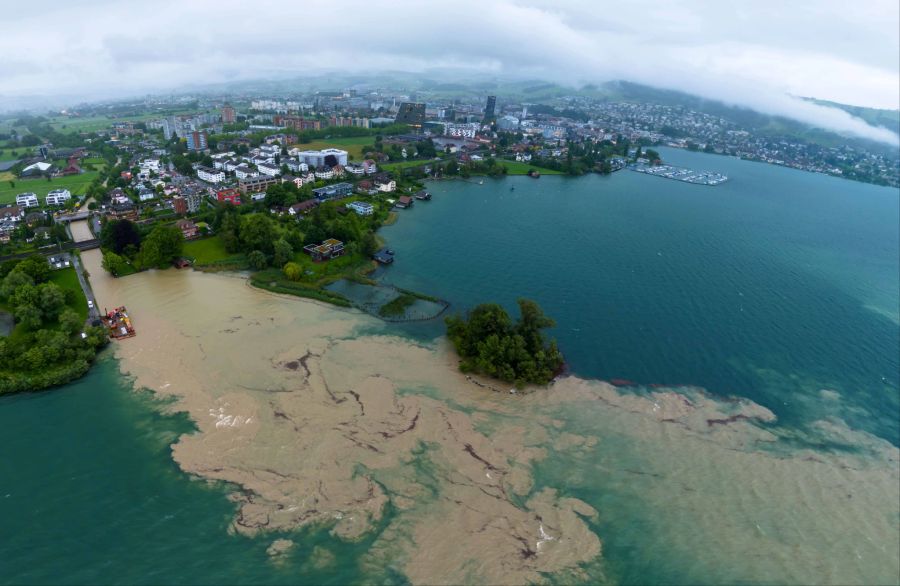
(211, 175)
(404, 202)
(303, 207)
(58, 197)
(188, 229)
(329, 249)
(245, 172)
(11, 213)
(298, 181)
(123, 211)
(385, 186)
(324, 173)
(296, 166)
(231, 196)
(362, 208)
(336, 191)
(27, 200)
(270, 169)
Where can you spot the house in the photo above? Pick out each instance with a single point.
(117, 195)
(27, 200)
(123, 211)
(260, 196)
(384, 256)
(298, 181)
(58, 197)
(12, 213)
(385, 186)
(42, 233)
(362, 208)
(145, 194)
(355, 169)
(231, 196)
(336, 191)
(211, 175)
(270, 169)
(302, 207)
(245, 172)
(364, 186)
(404, 202)
(296, 166)
(324, 173)
(188, 229)
(370, 167)
(329, 249)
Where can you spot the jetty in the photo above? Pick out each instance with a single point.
(681, 174)
(118, 323)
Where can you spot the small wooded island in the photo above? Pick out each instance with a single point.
(489, 343)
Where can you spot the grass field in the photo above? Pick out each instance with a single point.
(208, 251)
(352, 144)
(517, 168)
(6, 154)
(77, 184)
(67, 280)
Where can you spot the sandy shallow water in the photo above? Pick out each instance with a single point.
(319, 423)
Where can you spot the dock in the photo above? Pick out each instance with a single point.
(118, 323)
(681, 174)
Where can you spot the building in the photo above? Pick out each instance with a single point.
(404, 202)
(362, 208)
(27, 200)
(11, 213)
(461, 130)
(384, 256)
(336, 191)
(508, 123)
(489, 116)
(245, 172)
(196, 140)
(123, 211)
(232, 196)
(58, 197)
(179, 204)
(411, 113)
(270, 169)
(329, 249)
(303, 207)
(228, 114)
(323, 158)
(385, 186)
(256, 184)
(188, 229)
(211, 175)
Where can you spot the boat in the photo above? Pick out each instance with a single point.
(118, 323)
(513, 188)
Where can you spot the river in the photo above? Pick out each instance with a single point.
(343, 449)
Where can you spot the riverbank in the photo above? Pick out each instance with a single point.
(327, 418)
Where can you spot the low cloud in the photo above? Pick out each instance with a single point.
(755, 55)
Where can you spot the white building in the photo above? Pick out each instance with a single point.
(270, 169)
(461, 130)
(508, 123)
(362, 208)
(324, 173)
(319, 158)
(386, 186)
(355, 169)
(245, 172)
(211, 175)
(27, 200)
(259, 196)
(296, 166)
(150, 165)
(57, 197)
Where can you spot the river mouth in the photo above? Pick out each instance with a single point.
(328, 418)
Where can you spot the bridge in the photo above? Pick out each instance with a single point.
(71, 217)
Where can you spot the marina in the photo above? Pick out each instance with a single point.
(681, 174)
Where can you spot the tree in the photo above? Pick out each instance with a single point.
(257, 260)
(70, 322)
(29, 316)
(257, 232)
(12, 282)
(36, 267)
(117, 235)
(292, 271)
(51, 301)
(161, 246)
(283, 252)
(113, 263)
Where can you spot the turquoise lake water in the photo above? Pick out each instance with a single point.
(773, 286)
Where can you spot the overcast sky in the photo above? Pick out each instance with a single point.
(755, 53)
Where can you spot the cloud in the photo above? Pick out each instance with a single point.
(749, 54)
